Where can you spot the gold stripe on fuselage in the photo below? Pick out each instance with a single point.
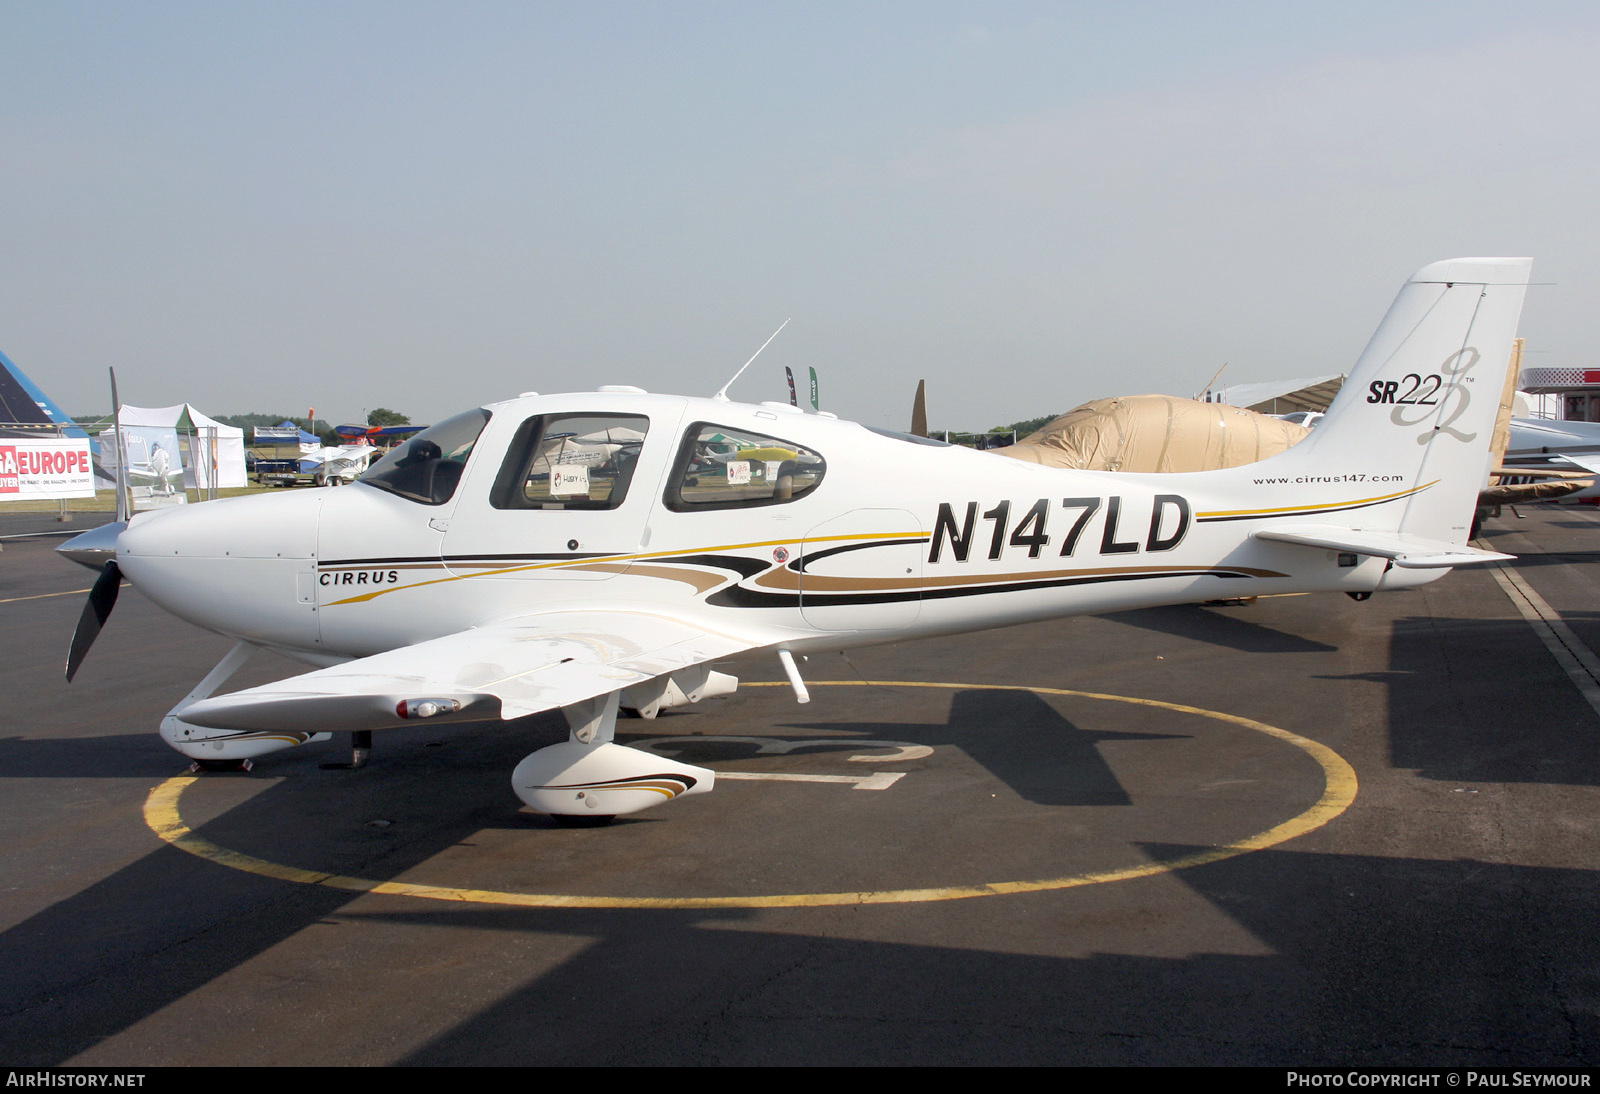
(1284, 510)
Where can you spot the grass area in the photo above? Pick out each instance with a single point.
(106, 500)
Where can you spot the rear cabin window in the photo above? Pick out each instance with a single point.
(428, 467)
(724, 468)
(570, 461)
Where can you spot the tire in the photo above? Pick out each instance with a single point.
(221, 765)
(585, 820)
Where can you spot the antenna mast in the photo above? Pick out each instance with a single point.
(1207, 389)
(722, 396)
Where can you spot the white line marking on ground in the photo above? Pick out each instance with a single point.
(1575, 658)
(878, 780)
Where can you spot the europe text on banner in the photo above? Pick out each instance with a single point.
(40, 469)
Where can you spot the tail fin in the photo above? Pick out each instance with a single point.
(1415, 418)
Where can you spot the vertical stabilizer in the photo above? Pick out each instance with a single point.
(1414, 421)
(24, 403)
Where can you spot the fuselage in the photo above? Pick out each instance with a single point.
(728, 514)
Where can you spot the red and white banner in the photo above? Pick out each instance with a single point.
(55, 468)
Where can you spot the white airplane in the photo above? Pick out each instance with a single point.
(335, 465)
(152, 469)
(1546, 449)
(455, 583)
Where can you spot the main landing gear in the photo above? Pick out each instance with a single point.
(589, 779)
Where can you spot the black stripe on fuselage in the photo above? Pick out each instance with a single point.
(379, 563)
(738, 596)
(806, 558)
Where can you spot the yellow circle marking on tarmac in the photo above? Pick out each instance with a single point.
(1339, 790)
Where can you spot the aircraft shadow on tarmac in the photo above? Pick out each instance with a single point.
(127, 755)
(1218, 627)
(1361, 961)
(1455, 715)
(1010, 733)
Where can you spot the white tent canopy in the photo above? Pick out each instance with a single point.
(217, 449)
(1280, 396)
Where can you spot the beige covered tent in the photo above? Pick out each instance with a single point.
(1155, 433)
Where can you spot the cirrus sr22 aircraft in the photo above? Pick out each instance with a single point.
(473, 574)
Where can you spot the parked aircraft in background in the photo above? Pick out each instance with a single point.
(372, 434)
(337, 464)
(152, 469)
(464, 579)
(1542, 449)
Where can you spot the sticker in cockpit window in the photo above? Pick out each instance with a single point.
(568, 479)
(738, 472)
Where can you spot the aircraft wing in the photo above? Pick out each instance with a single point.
(503, 670)
(1412, 552)
(1589, 461)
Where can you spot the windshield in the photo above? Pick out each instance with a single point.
(428, 467)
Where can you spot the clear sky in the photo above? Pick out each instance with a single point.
(427, 206)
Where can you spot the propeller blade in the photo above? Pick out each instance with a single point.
(122, 459)
(919, 410)
(102, 598)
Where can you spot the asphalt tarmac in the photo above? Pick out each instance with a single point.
(1305, 831)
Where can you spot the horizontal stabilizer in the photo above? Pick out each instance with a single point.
(1537, 472)
(1412, 552)
(514, 668)
(1589, 461)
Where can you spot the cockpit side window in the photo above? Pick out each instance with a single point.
(570, 461)
(720, 467)
(428, 467)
